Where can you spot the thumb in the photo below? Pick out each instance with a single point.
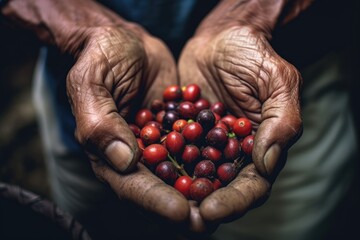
(275, 135)
(100, 129)
(108, 137)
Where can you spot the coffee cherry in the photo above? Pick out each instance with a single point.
(247, 144)
(190, 154)
(192, 132)
(232, 149)
(169, 118)
(200, 189)
(217, 117)
(222, 125)
(141, 144)
(160, 116)
(172, 93)
(212, 154)
(202, 104)
(179, 125)
(217, 184)
(206, 118)
(226, 172)
(166, 171)
(182, 184)
(217, 137)
(171, 106)
(242, 127)
(218, 108)
(204, 168)
(154, 154)
(187, 110)
(157, 105)
(135, 129)
(191, 93)
(142, 117)
(175, 143)
(229, 120)
(154, 124)
(150, 135)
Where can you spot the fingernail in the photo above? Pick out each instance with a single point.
(120, 155)
(271, 158)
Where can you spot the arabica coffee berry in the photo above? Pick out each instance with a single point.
(193, 145)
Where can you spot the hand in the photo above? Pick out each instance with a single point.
(236, 65)
(117, 72)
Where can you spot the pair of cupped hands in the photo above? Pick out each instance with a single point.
(120, 69)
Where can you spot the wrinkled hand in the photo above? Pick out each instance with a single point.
(238, 67)
(117, 72)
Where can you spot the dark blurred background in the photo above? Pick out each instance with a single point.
(21, 154)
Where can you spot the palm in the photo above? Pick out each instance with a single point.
(241, 70)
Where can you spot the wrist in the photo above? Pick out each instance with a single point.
(65, 23)
(262, 16)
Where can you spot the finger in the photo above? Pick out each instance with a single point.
(99, 127)
(198, 228)
(226, 204)
(192, 70)
(146, 190)
(281, 124)
(161, 69)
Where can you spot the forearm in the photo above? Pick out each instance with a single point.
(261, 15)
(63, 23)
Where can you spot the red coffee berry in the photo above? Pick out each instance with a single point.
(182, 184)
(159, 116)
(222, 125)
(166, 171)
(226, 172)
(154, 154)
(212, 154)
(150, 135)
(140, 143)
(200, 189)
(157, 105)
(218, 108)
(155, 124)
(204, 168)
(217, 137)
(232, 149)
(217, 184)
(229, 120)
(202, 104)
(192, 92)
(190, 154)
(187, 110)
(242, 127)
(175, 142)
(143, 116)
(192, 132)
(172, 93)
(179, 125)
(247, 144)
(135, 129)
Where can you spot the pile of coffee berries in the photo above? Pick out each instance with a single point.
(191, 144)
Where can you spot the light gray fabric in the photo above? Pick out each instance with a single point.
(320, 166)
